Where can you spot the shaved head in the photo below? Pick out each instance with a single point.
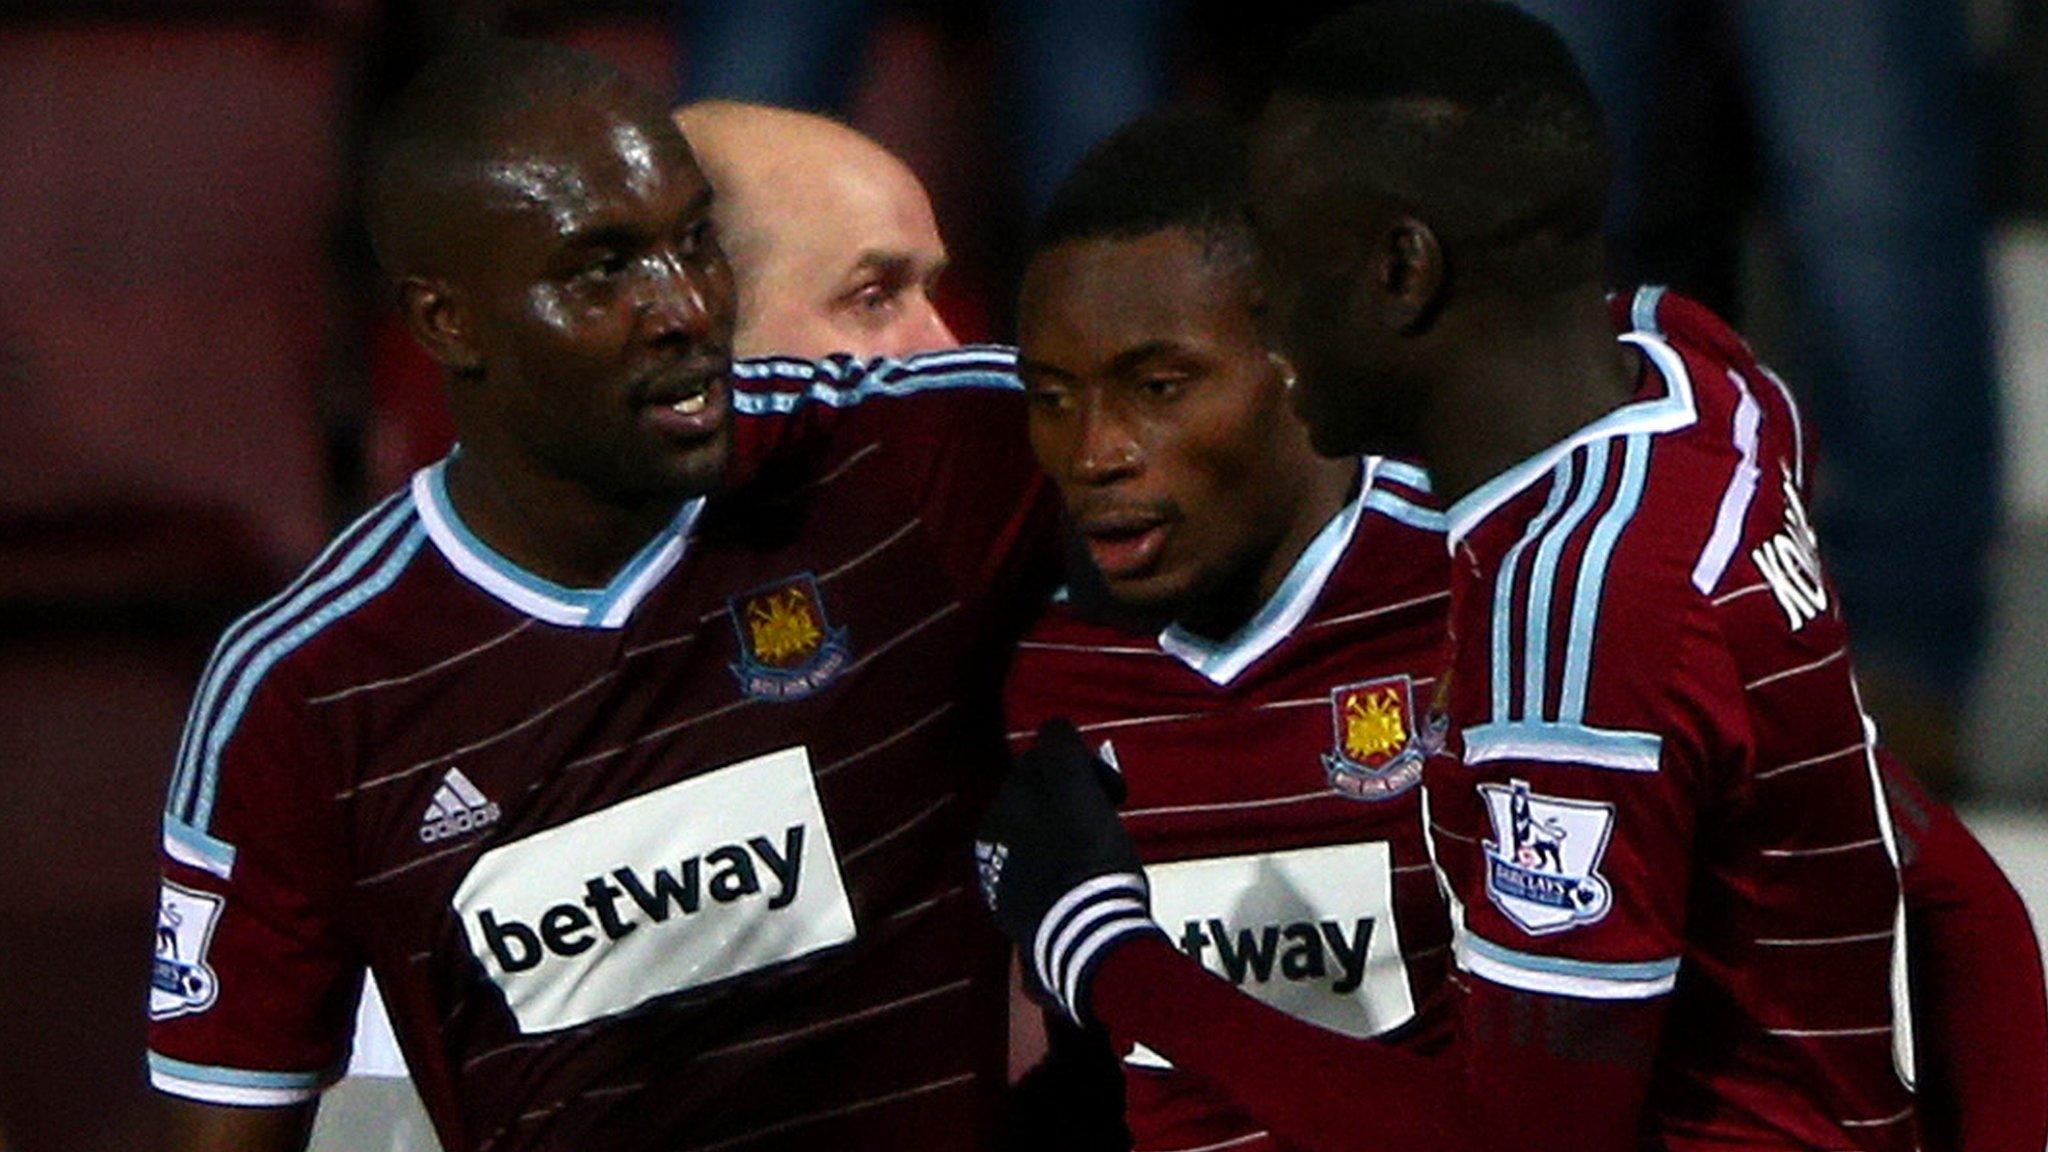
(832, 238)
(451, 141)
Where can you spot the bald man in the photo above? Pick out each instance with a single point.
(832, 239)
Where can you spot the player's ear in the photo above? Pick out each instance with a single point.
(1410, 275)
(435, 313)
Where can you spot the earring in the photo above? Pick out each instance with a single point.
(1285, 367)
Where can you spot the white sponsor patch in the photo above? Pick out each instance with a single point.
(181, 983)
(710, 878)
(1309, 931)
(1542, 865)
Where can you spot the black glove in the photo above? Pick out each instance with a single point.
(1058, 869)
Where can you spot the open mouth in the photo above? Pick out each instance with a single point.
(690, 408)
(1124, 545)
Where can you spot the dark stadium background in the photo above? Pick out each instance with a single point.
(199, 380)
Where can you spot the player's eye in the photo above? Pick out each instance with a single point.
(602, 267)
(877, 297)
(1163, 386)
(1047, 398)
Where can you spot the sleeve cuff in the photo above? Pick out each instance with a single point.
(1557, 976)
(239, 1087)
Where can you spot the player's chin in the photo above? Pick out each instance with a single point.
(1159, 594)
(688, 471)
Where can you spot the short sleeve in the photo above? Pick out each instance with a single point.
(1567, 843)
(254, 984)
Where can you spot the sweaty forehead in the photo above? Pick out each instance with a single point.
(571, 165)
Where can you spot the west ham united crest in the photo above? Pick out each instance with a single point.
(1378, 754)
(1542, 865)
(788, 649)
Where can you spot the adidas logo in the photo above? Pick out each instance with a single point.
(457, 807)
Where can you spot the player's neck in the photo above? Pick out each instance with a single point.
(1540, 372)
(551, 527)
(1221, 611)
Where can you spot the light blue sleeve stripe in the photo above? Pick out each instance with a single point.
(1645, 971)
(262, 662)
(842, 382)
(194, 847)
(1414, 515)
(1578, 657)
(1504, 585)
(1543, 580)
(237, 1077)
(190, 771)
(252, 619)
(1618, 749)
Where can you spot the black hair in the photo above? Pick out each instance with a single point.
(1173, 169)
(1469, 114)
(452, 119)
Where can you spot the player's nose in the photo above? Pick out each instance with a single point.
(682, 298)
(1105, 450)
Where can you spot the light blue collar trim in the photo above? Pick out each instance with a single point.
(540, 598)
(1669, 412)
(1222, 662)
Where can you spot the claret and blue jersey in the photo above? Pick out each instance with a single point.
(676, 862)
(1658, 779)
(1273, 784)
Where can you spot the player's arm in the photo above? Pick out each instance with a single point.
(189, 1126)
(1566, 846)
(1557, 1050)
(783, 405)
(955, 422)
(1064, 881)
(1979, 1005)
(253, 986)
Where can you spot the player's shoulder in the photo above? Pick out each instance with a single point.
(1078, 661)
(250, 704)
(1730, 488)
(1400, 538)
(343, 591)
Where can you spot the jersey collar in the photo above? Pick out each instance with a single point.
(1669, 412)
(1220, 662)
(536, 596)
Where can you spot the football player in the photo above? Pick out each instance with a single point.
(636, 744)
(1559, 841)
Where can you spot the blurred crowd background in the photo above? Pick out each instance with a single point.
(200, 376)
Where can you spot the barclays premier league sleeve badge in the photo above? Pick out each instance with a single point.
(180, 982)
(1542, 863)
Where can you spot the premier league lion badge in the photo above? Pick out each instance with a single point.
(180, 981)
(788, 649)
(1542, 863)
(1377, 754)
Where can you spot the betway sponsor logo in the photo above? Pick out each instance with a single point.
(713, 877)
(572, 928)
(1310, 931)
(1313, 950)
